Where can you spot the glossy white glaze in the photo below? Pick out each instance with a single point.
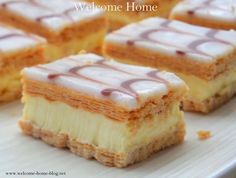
(176, 38)
(126, 85)
(12, 40)
(54, 15)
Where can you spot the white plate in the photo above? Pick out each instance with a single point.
(215, 157)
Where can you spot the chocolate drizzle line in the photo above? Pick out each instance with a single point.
(103, 63)
(41, 18)
(65, 15)
(210, 36)
(12, 35)
(31, 2)
(154, 74)
(20, 35)
(125, 87)
(205, 4)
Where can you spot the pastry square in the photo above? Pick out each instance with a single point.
(118, 114)
(133, 11)
(216, 14)
(17, 50)
(203, 57)
(68, 29)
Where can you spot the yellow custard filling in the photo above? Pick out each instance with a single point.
(74, 46)
(96, 129)
(10, 80)
(201, 89)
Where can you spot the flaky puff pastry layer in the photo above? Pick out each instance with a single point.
(104, 107)
(86, 35)
(207, 72)
(76, 30)
(10, 67)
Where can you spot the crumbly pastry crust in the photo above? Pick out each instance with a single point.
(204, 135)
(174, 136)
(211, 103)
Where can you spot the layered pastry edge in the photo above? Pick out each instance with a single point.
(87, 33)
(63, 32)
(206, 92)
(10, 83)
(210, 75)
(139, 132)
(128, 147)
(14, 57)
(134, 140)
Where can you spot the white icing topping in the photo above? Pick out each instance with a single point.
(176, 38)
(14, 40)
(127, 85)
(219, 10)
(53, 14)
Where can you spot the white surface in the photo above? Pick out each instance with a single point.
(194, 159)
